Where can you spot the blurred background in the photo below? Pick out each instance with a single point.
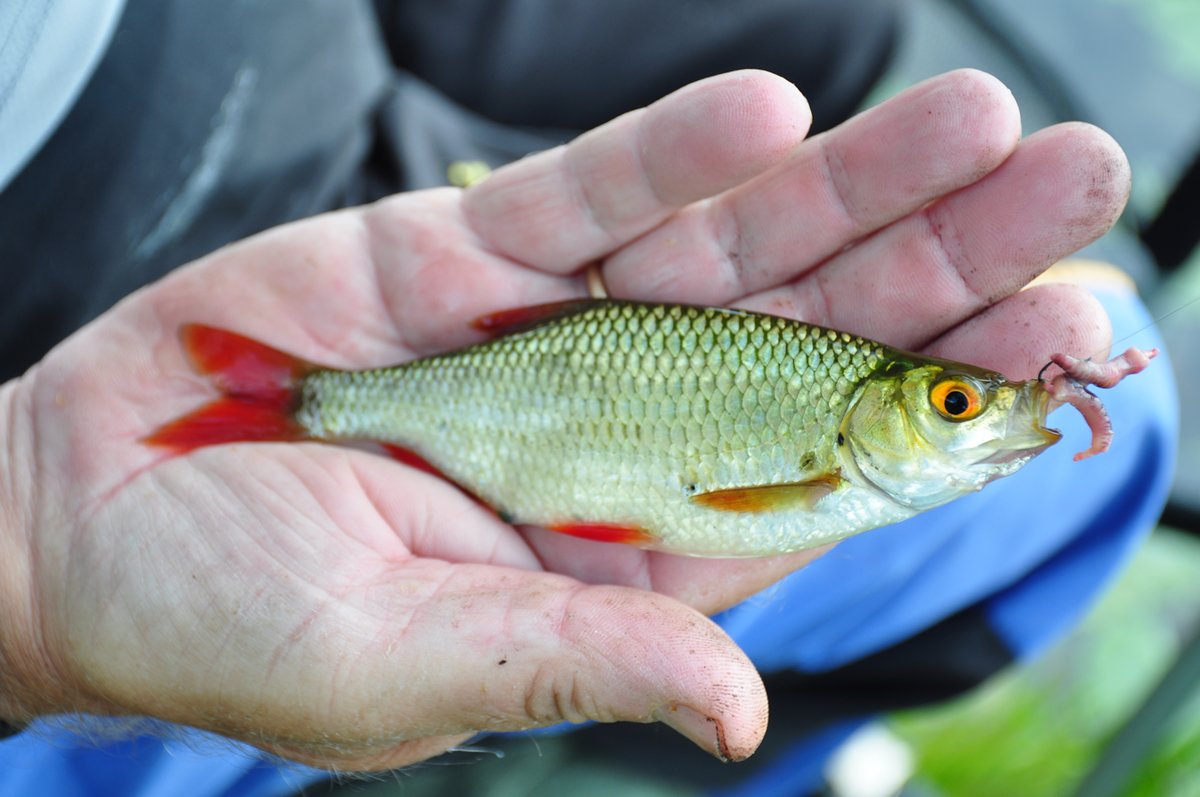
(1115, 707)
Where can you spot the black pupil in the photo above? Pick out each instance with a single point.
(957, 402)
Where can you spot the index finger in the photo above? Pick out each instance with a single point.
(570, 205)
(837, 188)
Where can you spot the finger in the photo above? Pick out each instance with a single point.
(565, 207)
(593, 653)
(1017, 336)
(881, 165)
(1063, 188)
(458, 649)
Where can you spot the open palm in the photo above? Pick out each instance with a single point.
(340, 608)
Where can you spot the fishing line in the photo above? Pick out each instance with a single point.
(1157, 320)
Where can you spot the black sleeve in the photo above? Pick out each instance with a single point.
(574, 64)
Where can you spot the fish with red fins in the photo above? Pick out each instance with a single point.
(694, 430)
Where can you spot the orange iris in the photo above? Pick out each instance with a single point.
(956, 399)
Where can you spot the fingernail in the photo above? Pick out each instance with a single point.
(704, 731)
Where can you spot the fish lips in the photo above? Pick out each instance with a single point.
(1026, 435)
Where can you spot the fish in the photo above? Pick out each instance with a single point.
(703, 431)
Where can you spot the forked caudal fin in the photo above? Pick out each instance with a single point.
(258, 384)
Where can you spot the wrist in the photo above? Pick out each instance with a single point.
(20, 670)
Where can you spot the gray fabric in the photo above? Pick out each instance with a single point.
(424, 131)
(204, 123)
(48, 49)
(574, 64)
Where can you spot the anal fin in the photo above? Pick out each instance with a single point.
(606, 532)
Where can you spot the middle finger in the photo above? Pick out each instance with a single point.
(1063, 188)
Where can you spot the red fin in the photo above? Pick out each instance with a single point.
(259, 385)
(519, 319)
(238, 365)
(771, 497)
(606, 532)
(231, 419)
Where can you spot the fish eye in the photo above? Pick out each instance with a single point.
(956, 398)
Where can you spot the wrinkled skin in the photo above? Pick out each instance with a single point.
(339, 608)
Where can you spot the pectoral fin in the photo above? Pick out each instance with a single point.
(771, 497)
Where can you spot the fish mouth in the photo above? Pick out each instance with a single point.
(1027, 434)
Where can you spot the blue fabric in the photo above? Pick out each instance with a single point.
(1113, 500)
(1035, 549)
(45, 760)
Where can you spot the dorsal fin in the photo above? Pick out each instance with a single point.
(519, 319)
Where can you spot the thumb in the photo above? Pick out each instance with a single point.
(493, 649)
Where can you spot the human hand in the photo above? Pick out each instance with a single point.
(339, 608)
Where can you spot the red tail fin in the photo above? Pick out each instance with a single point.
(259, 385)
